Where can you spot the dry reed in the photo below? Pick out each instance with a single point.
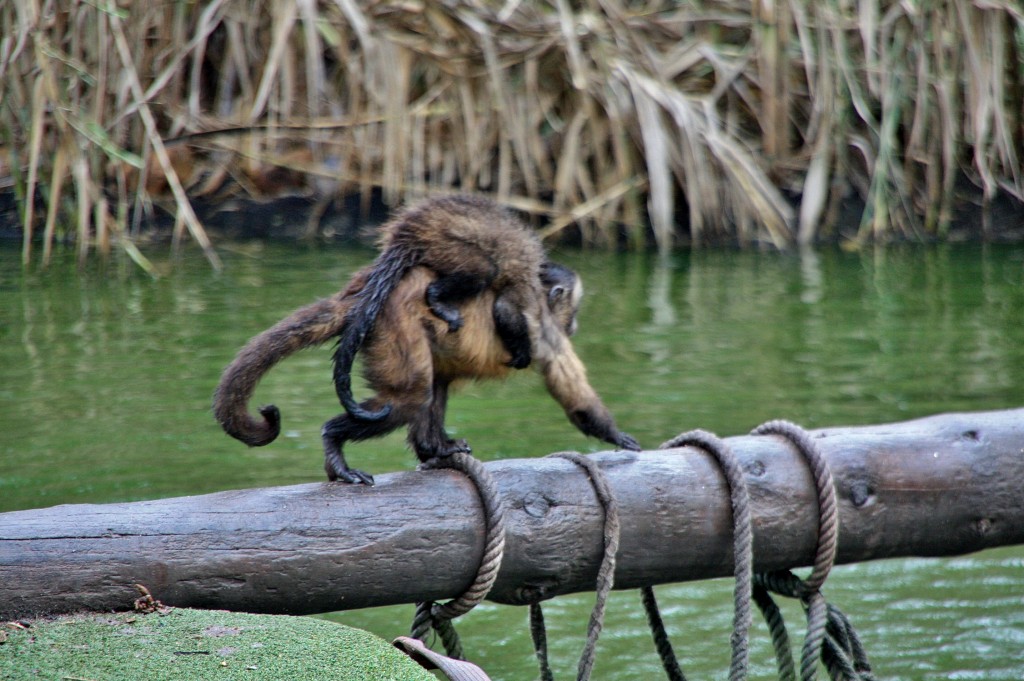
(712, 115)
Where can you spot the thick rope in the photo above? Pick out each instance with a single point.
(662, 644)
(828, 513)
(539, 634)
(808, 590)
(777, 629)
(605, 575)
(830, 638)
(844, 653)
(438, 616)
(743, 559)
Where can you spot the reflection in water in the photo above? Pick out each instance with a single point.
(663, 313)
(106, 379)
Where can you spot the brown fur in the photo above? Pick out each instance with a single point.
(468, 235)
(472, 245)
(307, 327)
(410, 360)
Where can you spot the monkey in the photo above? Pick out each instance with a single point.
(411, 358)
(472, 244)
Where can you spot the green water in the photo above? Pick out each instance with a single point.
(106, 378)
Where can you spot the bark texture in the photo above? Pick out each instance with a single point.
(939, 486)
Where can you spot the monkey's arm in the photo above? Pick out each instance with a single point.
(566, 380)
(513, 329)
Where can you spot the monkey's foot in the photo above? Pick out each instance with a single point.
(337, 469)
(459, 446)
(353, 476)
(440, 449)
(450, 447)
(445, 450)
(516, 339)
(454, 319)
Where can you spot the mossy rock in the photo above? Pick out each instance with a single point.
(198, 644)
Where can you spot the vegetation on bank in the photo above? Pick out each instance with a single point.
(181, 643)
(751, 121)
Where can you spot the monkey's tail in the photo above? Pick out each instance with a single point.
(382, 279)
(309, 326)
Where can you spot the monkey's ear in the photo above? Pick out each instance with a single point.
(556, 292)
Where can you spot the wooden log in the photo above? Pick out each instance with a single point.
(938, 486)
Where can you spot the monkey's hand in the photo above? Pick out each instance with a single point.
(454, 319)
(519, 349)
(597, 422)
(626, 441)
(520, 360)
(443, 310)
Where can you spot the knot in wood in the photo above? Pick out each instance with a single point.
(536, 505)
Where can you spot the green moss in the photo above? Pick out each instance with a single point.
(199, 644)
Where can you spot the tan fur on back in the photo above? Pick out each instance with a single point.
(473, 352)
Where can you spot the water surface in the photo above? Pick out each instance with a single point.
(106, 377)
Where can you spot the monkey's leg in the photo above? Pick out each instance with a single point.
(510, 324)
(344, 428)
(427, 435)
(448, 290)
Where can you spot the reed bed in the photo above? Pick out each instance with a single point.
(747, 121)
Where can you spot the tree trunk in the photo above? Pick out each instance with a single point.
(939, 486)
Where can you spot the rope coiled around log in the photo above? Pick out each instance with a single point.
(830, 637)
(605, 575)
(743, 559)
(439, 616)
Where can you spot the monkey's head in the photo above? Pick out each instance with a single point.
(565, 290)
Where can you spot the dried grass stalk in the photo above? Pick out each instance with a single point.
(596, 113)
